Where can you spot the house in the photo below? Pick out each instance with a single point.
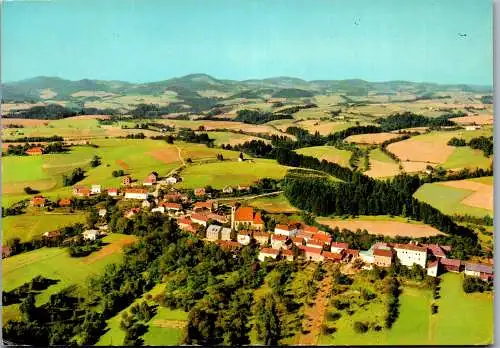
(65, 202)
(287, 254)
(146, 204)
(228, 244)
(352, 254)
(484, 272)
(435, 250)
(81, 191)
(213, 232)
(278, 241)
(246, 218)
(261, 237)
(127, 180)
(222, 219)
(6, 251)
(90, 234)
(200, 219)
(186, 224)
(102, 212)
(35, 151)
(322, 237)
(289, 230)
(112, 192)
(337, 247)
(315, 244)
(227, 189)
(136, 193)
(132, 212)
(160, 209)
(225, 234)
(410, 254)
(171, 206)
(367, 256)
(38, 201)
(432, 268)
(243, 237)
(268, 252)
(383, 257)
(171, 180)
(313, 254)
(200, 206)
(243, 188)
(298, 240)
(95, 189)
(334, 257)
(199, 192)
(450, 265)
(472, 127)
(51, 234)
(309, 229)
(305, 235)
(151, 179)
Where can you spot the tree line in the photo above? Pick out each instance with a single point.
(410, 120)
(482, 143)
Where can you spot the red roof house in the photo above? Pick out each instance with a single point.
(38, 201)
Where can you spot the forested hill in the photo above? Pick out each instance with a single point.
(43, 87)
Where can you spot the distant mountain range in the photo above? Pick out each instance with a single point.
(189, 86)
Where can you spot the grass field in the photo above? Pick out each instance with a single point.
(56, 264)
(449, 199)
(452, 325)
(383, 225)
(220, 174)
(329, 153)
(163, 328)
(231, 138)
(30, 225)
(465, 157)
(275, 204)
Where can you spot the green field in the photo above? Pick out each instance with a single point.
(220, 174)
(378, 155)
(56, 264)
(448, 200)
(231, 138)
(328, 153)
(452, 325)
(27, 226)
(64, 127)
(465, 157)
(274, 204)
(156, 335)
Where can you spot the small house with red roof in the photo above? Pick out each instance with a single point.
(322, 237)
(151, 179)
(289, 230)
(200, 206)
(64, 202)
(200, 218)
(298, 240)
(244, 237)
(268, 252)
(81, 191)
(333, 257)
(112, 192)
(38, 201)
(136, 193)
(310, 253)
(433, 268)
(170, 206)
(313, 243)
(186, 224)
(450, 265)
(127, 180)
(383, 257)
(278, 240)
(484, 272)
(305, 235)
(35, 151)
(261, 237)
(228, 244)
(338, 247)
(309, 229)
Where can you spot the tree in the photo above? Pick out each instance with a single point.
(96, 161)
(93, 217)
(241, 156)
(170, 139)
(28, 308)
(360, 327)
(268, 322)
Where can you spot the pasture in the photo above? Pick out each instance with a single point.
(328, 153)
(459, 197)
(56, 264)
(220, 174)
(382, 225)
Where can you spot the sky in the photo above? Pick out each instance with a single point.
(152, 40)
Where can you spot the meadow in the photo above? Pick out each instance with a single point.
(274, 204)
(231, 138)
(329, 153)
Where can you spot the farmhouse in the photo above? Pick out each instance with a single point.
(289, 230)
(136, 193)
(287, 254)
(38, 201)
(213, 232)
(338, 247)
(261, 237)
(200, 206)
(227, 189)
(383, 257)
(199, 192)
(310, 253)
(278, 240)
(127, 180)
(95, 189)
(225, 234)
(112, 192)
(64, 202)
(35, 151)
(484, 272)
(410, 254)
(268, 252)
(246, 218)
(90, 234)
(243, 237)
(81, 191)
(435, 250)
(6, 251)
(334, 257)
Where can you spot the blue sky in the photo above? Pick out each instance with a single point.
(151, 40)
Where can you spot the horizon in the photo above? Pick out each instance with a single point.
(152, 40)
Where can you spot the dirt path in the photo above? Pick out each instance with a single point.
(180, 155)
(317, 314)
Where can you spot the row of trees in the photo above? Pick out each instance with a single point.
(409, 120)
(258, 117)
(75, 176)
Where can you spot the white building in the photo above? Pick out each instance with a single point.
(95, 189)
(171, 180)
(278, 241)
(90, 234)
(136, 193)
(410, 254)
(225, 234)
(243, 238)
(432, 268)
(158, 210)
(213, 232)
(268, 252)
(286, 230)
(337, 247)
(471, 128)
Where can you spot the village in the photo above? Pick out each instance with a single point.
(232, 225)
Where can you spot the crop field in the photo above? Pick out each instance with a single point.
(56, 264)
(381, 165)
(479, 119)
(220, 174)
(231, 138)
(382, 225)
(324, 127)
(452, 325)
(375, 138)
(329, 153)
(459, 197)
(28, 226)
